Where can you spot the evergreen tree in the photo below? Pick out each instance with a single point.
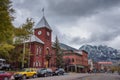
(59, 54)
(6, 28)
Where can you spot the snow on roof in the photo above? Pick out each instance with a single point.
(34, 38)
(42, 23)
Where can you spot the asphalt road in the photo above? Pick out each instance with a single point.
(79, 76)
(100, 77)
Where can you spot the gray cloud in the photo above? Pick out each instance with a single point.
(82, 8)
(100, 17)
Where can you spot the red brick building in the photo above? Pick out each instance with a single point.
(76, 61)
(43, 54)
(103, 65)
(40, 45)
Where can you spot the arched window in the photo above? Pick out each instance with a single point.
(37, 63)
(72, 59)
(47, 51)
(40, 50)
(37, 51)
(33, 64)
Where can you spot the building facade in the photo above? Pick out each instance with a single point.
(76, 61)
(40, 45)
(43, 54)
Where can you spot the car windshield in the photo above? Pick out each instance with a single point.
(59, 69)
(41, 70)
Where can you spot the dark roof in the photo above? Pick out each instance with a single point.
(66, 47)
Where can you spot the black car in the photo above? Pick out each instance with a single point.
(44, 72)
(59, 71)
(119, 72)
(18, 76)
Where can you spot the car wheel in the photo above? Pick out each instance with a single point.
(62, 73)
(59, 74)
(51, 74)
(6, 78)
(24, 77)
(34, 76)
(45, 75)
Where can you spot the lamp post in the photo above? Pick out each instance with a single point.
(23, 53)
(29, 52)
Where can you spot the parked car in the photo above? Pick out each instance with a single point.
(119, 72)
(25, 73)
(5, 75)
(44, 72)
(3, 65)
(59, 71)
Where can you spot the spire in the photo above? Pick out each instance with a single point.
(43, 22)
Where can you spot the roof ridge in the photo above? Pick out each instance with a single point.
(42, 23)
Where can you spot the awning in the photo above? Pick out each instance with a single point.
(80, 66)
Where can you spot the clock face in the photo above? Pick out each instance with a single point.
(39, 32)
(48, 33)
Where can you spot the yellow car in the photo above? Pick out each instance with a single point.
(25, 73)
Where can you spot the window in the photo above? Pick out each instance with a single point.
(33, 64)
(40, 50)
(47, 51)
(37, 51)
(72, 59)
(37, 63)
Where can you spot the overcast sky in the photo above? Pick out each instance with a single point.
(75, 22)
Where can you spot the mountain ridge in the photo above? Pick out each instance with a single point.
(97, 53)
(101, 52)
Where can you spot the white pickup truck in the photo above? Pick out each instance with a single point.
(3, 65)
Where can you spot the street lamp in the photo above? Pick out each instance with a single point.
(23, 53)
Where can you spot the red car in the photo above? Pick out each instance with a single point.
(5, 75)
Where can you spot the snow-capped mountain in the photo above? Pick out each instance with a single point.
(101, 53)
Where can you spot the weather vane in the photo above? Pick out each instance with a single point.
(43, 11)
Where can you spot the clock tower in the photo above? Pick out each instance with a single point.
(43, 31)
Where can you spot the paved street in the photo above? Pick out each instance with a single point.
(69, 76)
(100, 77)
(80, 76)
